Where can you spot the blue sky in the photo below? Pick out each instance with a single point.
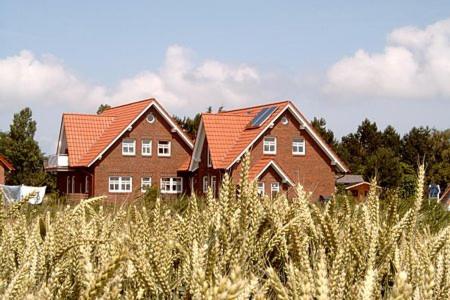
(73, 55)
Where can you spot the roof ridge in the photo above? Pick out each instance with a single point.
(127, 104)
(87, 115)
(223, 115)
(79, 114)
(255, 106)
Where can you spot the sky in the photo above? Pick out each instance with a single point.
(388, 61)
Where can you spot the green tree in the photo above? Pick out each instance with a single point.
(385, 165)
(417, 146)
(102, 108)
(320, 125)
(19, 146)
(371, 152)
(439, 161)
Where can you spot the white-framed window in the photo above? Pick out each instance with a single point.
(213, 183)
(298, 146)
(164, 148)
(274, 188)
(86, 185)
(129, 147)
(146, 147)
(68, 185)
(171, 185)
(261, 189)
(146, 183)
(270, 145)
(120, 184)
(209, 159)
(205, 184)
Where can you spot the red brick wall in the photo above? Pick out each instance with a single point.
(2, 174)
(268, 177)
(138, 166)
(313, 170)
(204, 170)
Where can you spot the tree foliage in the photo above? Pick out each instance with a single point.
(102, 108)
(20, 147)
(394, 159)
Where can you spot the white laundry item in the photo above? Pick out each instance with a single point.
(36, 194)
(10, 193)
(14, 193)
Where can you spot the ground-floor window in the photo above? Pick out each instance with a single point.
(205, 184)
(213, 183)
(86, 184)
(275, 188)
(171, 185)
(120, 184)
(261, 189)
(146, 183)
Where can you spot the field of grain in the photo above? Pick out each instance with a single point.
(233, 247)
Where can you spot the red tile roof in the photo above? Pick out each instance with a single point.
(6, 163)
(90, 135)
(228, 133)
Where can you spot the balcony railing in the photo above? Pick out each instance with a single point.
(57, 161)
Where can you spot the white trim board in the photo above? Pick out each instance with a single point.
(161, 112)
(311, 132)
(198, 146)
(277, 169)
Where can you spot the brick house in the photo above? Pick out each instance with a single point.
(120, 152)
(5, 166)
(284, 148)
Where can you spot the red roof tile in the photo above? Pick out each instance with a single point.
(228, 133)
(6, 163)
(90, 135)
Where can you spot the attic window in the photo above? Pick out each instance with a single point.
(284, 121)
(151, 118)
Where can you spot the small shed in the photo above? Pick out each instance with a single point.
(5, 166)
(359, 190)
(355, 185)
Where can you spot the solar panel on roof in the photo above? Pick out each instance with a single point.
(262, 116)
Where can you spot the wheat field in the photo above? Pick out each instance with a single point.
(237, 246)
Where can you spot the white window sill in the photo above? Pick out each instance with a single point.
(119, 192)
(173, 193)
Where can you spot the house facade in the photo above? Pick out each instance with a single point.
(5, 166)
(121, 152)
(284, 149)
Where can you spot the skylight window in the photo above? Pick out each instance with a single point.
(262, 116)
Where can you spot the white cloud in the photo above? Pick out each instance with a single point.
(26, 80)
(415, 64)
(185, 86)
(180, 83)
